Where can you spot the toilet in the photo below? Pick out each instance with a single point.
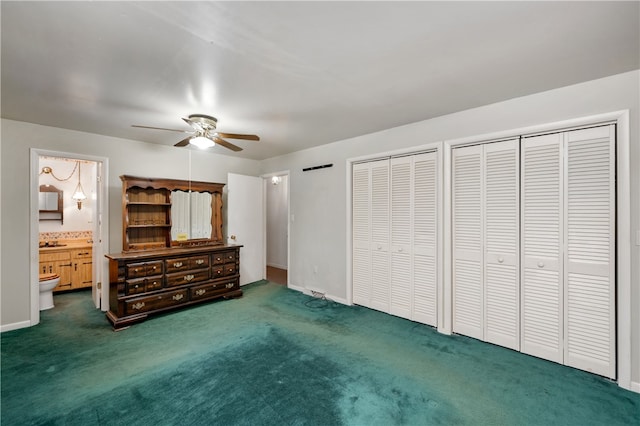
(47, 283)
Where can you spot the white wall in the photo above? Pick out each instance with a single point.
(125, 157)
(318, 198)
(277, 223)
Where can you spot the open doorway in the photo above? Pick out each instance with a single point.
(277, 227)
(67, 236)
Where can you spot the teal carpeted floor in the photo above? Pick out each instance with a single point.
(278, 357)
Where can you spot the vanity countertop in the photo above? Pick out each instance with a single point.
(66, 245)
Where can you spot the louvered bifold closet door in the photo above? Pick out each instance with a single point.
(541, 247)
(380, 291)
(467, 241)
(589, 320)
(501, 231)
(401, 237)
(361, 235)
(425, 238)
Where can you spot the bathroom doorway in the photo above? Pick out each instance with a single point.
(69, 238)
(277, 227)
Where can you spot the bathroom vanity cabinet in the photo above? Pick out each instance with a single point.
(73, 263)
(173, 252)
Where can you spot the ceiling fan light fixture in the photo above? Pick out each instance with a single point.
(202, 142)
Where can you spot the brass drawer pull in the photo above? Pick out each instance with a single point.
(138, 305)
(199, 261)
(177, 264)
(189, 277)
(200, 292)
(178, 297)
(230, 285)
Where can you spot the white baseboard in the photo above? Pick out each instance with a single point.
(275, 265)
(15, 326)
(308, 292)
(635, 387)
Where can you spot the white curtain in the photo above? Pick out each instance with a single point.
(190, 214)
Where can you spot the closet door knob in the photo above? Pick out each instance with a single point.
(500, 259)
(400, 250)
(540, 265)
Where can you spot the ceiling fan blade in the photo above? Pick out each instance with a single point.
(226, 144)
(238, 136)
(184, 142)
(161, 128)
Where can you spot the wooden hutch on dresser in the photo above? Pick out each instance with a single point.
(173, 251)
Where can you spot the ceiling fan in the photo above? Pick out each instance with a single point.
(204, 133)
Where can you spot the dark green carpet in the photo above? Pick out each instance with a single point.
(270, 359)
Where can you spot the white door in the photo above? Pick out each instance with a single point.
(467, 203)
(361, 234)
(589, 273)
(541, 247)
(380, 293)
(401, 271)
(99, 292)
(501, 245)
(425, 238)
(245, 224)
(486, 227)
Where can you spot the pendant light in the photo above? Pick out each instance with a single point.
(78, 194)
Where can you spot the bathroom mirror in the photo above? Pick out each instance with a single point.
(50, 204)
(190, 215)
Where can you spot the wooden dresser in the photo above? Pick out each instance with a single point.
(145, 283)
(172, 249)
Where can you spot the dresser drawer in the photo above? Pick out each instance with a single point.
(229, 256)
(212, 289)
(230, 269)
(136, 286)
(159, 301)
(219, 258)
(140, 285)
(136, 270)
(81, 253)
(187, 277)
(186, 263)
(217, 271)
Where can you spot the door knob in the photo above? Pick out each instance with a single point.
(233, 237)
(540, 265)
(500, 259)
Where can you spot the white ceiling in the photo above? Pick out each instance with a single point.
(299, 74)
